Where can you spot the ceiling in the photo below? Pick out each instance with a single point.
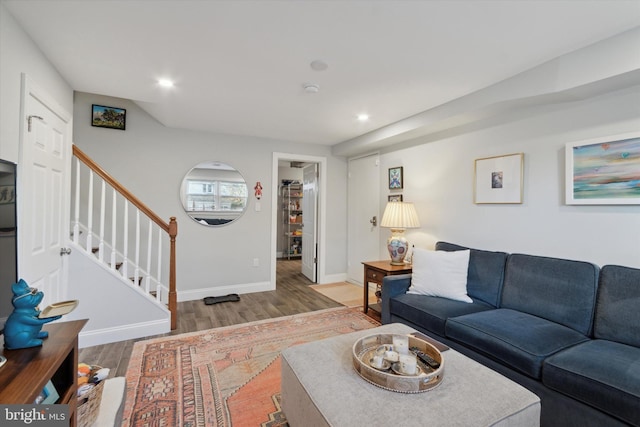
(239, 67)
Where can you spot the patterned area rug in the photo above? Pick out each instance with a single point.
(225, 376)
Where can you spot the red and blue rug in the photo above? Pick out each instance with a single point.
(226, 376)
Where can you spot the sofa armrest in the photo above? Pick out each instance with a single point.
(392, 286)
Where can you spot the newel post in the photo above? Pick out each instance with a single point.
(173, 300)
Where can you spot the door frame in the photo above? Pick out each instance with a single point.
(321, 208)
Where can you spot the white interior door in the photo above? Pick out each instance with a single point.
(43, 191)
(363, 205)
(310, 221)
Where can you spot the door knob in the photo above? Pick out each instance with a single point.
(65, 251)
(374, 221)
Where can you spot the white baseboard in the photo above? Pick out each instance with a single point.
(333, 278)
(121, 333)
(217, 291)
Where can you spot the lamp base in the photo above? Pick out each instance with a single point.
(397, 246)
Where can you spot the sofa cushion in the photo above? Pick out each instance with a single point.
(431, 313)
(519, 340)
(618, 305)
(559, 290)
(440, 274)
(485, 274)
(601, 373)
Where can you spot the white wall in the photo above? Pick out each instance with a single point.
(18, 54)
(151, 160)
(438, 178)
(136, 315)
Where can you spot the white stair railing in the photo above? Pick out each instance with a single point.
(124, 209)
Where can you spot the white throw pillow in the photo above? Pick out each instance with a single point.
(440, 274)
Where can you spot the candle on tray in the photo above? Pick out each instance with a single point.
(391, 356)
(408, 364)
(401, 344)
(378, 361)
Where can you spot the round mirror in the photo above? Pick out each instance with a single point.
(214, 194)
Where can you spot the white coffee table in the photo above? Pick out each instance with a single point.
(321, 388)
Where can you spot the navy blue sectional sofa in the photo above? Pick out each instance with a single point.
(569, 331)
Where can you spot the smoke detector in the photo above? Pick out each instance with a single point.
(311, 88)
(319, 65)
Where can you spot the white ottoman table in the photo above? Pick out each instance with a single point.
(321, 388)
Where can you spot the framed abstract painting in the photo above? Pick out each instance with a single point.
(604, 171)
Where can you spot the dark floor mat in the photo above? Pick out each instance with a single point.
(224, 298)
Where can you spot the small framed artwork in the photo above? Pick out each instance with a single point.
(394, 197)
(499, 179)
(604, 171)
(395, 178)
(108, 117)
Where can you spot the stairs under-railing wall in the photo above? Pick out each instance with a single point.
(115, 228)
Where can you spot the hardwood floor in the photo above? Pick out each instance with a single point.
(292, 296)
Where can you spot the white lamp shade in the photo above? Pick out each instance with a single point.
(400, 215)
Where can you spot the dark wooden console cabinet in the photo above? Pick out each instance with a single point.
(28, 370)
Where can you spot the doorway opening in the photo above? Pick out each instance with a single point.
(298, 217)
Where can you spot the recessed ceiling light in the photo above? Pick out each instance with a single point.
(363, 117)
(165, 83)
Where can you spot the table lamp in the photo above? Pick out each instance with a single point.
(399, 216)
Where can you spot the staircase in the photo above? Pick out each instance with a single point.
(115, 229)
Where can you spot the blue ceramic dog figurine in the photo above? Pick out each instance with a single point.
(23, 327)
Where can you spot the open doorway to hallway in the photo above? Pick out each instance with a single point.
(313, 215)
(297, 213)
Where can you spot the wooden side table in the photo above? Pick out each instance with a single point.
(28, 370)
(374, 272)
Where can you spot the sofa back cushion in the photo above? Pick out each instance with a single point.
(485, 274)
(559, 290)
(618, 305)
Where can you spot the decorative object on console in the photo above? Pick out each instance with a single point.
(603, 171)
(399, 216)
(395, 178)
(23, 327)
(499, 179)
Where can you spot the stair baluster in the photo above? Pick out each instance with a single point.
(113, 229)
(109, 249)
(102, 209)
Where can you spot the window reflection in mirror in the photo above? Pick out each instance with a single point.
(214, 193)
